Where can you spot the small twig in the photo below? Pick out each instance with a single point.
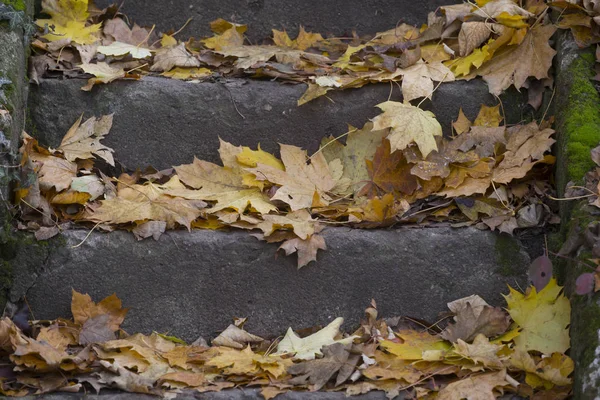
(501, 107)
(331, 141)
(272, 345)
(571, 198)
(572, 259)
(425, 378)
(500, 198)
(433, 91)
(138, 67)
(549, 104)
(427, 209)
(86, 236)
(233, 101)
(147, 36)
(184, 25)
(41, 212)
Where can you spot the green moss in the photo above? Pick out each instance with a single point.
(19, 5)
(507, 249)
(580, 131)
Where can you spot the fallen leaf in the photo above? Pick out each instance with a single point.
(361, 145)
(475, 387)
(309, 347)
(97, 329)
(481, 351)
(533, 57)
(409, 124)
(174, 56)
(303, 185)
(83, 309)
(103, 73)
(221, 184)
(82, 141)
(418, 79)
(336, 360)
(388, 172)
(236, 338)
(149, 202)
(121, 49)
(414, 345)
(68, 21)
(472, 320)
(306, 248)
(544, 318)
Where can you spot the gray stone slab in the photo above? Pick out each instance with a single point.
(165, 122)
(576, 108)
(337, 18)
(192, 284)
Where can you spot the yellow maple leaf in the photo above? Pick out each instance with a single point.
(304, 185)
(302, 42)
(187, 73)
(246, 362)
(103, 73)
(409, 124)
(488, 116)
(68, 21)
(149, 202)
(82, 141)
(221, 184)
(544, 318)
(415, 345)
(480, 351)
(462, 66)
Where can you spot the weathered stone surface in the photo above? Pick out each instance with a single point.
(191, 284)
(327, 17)
(165, 122)
(13, 93)
(577, 112)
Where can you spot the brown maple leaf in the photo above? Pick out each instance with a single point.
(533, 57)
(389, 173)
(337, 359)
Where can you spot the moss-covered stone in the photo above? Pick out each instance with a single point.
(578, 116)
(584, 341)
(508, 255)
(582, 118)
(19, 5)
(577, 110)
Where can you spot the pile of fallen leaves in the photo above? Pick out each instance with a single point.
(505, 42)
(397, 169)
(483, 353)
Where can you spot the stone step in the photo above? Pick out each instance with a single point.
(192, 284)
(164, 122)
(327, 17)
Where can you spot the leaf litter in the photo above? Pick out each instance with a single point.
(396, 170)
(511, 355)
(498, 40)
